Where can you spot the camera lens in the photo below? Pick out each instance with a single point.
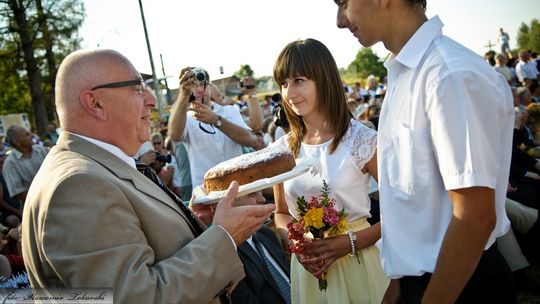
(163, 158)
(200, 76)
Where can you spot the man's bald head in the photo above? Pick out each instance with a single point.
(83, 70)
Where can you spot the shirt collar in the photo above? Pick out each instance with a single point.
(18, 154)
(112, 149)
(415, 48)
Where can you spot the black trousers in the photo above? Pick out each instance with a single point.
(491, 282)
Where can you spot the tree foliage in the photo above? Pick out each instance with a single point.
(36, 36)
(366, 63)
(528, 37)
(245, 70)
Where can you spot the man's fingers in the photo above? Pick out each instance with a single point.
(230, 196)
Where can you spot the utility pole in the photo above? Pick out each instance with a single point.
(165, 79)
(157, 88)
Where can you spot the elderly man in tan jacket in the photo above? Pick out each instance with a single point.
(92, 220)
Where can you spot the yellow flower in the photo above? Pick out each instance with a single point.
(314, 218)
(342, 226)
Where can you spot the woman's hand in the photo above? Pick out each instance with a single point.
(322, 253)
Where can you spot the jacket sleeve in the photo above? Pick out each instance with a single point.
(93, 237)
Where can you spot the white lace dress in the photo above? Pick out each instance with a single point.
(348, 281)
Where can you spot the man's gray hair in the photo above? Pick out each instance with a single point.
(11, 135)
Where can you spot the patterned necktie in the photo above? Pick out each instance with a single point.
(283, 285)
(192, 221)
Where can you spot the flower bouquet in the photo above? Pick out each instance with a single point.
(317, 217)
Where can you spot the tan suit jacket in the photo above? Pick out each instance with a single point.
(91, 220)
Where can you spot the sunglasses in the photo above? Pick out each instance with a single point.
(136, 82)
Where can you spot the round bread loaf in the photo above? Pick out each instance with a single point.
(249, 167)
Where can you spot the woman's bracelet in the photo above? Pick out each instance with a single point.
(352, 240)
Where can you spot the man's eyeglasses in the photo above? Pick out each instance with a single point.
(155, 143)
(136, 82)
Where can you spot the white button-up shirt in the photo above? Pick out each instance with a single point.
(526, 70)
(446, 123)
(207, 150)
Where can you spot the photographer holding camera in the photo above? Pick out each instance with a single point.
(211, 132)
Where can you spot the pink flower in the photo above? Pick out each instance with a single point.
(314, 203)
(331, 216)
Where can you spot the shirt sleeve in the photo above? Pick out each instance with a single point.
(235, 117)
(467, 116)
(14, 182)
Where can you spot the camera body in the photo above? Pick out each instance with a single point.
(280, 118)
(249, 87)
(163, 158)
(199, 74)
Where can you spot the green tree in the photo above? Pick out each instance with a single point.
(366, 63)
(245, 70)
(528, 36)
(36, 34)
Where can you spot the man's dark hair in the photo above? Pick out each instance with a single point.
(421, 2)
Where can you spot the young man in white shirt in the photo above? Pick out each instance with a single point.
(444, 147)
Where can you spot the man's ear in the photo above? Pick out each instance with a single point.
(92, 105)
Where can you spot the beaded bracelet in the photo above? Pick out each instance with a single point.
(352, 239)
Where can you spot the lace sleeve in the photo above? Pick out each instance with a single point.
(362, 143)
(282, 142)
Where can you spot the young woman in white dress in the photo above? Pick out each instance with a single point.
(322, 127)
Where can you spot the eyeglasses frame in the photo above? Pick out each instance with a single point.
(121, 84)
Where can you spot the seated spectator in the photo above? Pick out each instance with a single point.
(501, 67)
(51, 134)
(262, 284)
(10, 213)
(524, 170)
(22, 164)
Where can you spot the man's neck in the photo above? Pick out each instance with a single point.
(26, 151)
(403, 28)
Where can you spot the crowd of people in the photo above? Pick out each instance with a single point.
(452, 142)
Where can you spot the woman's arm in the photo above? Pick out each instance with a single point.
(282, 216)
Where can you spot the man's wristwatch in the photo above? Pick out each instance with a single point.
(218, 121)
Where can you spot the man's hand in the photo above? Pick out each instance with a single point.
(249, 85)
(242, 221)
(204, 212)
(393, 293)
(203, 113)
(147, 157)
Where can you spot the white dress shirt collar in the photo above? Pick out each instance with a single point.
(415, 48)
(112, 149)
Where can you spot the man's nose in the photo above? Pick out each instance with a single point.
(341, 20)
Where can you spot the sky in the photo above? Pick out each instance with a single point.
(230, 33)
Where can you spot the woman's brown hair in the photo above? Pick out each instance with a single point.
(312, 59)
